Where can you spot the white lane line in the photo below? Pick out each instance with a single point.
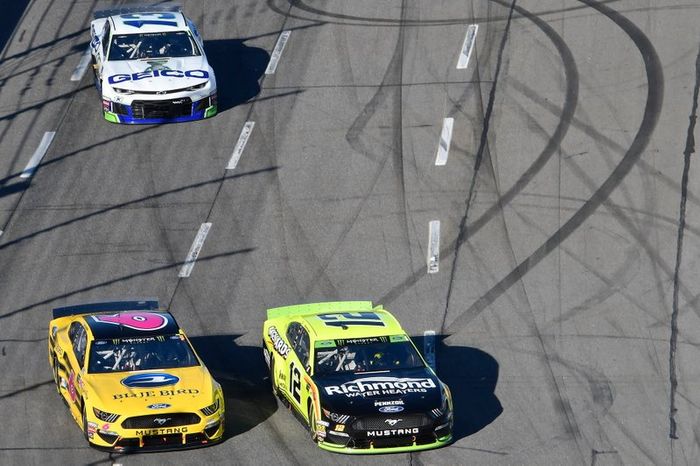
(445, 139)
(187, 267)
(469, 41)
(82, 66)
(39, 154)
(429, 348)
(240, 145)
(277, 52)
(434, 246)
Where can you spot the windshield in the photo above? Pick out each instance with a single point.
(367, 354)
(135, 354)
(152, 45)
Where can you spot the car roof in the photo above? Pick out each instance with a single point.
(343, 325)
(145, 22)
(130, 324)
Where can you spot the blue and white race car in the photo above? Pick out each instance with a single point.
(150, 67)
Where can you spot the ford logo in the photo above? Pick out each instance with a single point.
(158, 406)
(391, 409)
(149, 380)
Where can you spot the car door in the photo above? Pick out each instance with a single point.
(75, 361)
(298, 364)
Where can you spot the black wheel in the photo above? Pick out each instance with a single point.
(312, 422)
(54, 369)
(85, 429)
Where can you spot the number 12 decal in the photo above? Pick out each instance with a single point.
(295, 382)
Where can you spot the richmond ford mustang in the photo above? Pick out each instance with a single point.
(131, 379)
(150, 67)
(350, 372)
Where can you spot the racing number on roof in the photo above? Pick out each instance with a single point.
(345, 319)
(295, 382)
(135, 19)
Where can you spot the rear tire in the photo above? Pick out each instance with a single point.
(85, 429)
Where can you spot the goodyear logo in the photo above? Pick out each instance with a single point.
(149, 380)
(120, 78)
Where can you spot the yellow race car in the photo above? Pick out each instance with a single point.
(131, 379)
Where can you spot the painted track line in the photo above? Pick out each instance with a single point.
(197, 244)
(240, 145)
(429, 348)
(444, 144)
(467, 47)
(39, 154)
(277, 52)
(434, 246)
(82, 66)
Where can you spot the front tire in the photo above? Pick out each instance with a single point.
(312, 423)
(85, 429)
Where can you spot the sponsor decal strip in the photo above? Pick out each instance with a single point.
(39, 154)
(444, 144)
(434, 246)
(79, 70)
(277, 52)
(377, 386)
(240, 145)
(277, 342)
(467, 47)
(187, 267)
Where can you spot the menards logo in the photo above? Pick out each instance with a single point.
(373, 386)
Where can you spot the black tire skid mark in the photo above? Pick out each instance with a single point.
(566, 116)
(673, 341)
(302, 5)
(390, 89)
(602, 140)
(651, 113)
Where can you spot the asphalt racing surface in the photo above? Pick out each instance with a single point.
(517, 176)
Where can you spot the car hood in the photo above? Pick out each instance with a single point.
(157, 74)
(190, 388)
(411, 390)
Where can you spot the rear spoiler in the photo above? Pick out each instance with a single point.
(322, 308)
(142, 8)
(114, 306)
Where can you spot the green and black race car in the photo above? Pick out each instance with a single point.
(350, 372)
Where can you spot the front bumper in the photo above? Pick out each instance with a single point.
(115, 438)
(360, 442)
(155, 111)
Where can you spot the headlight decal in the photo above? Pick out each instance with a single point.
(211, 409)
(104, 415)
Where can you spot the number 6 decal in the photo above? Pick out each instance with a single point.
(295, 382)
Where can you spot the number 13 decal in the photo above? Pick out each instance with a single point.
(295, 382)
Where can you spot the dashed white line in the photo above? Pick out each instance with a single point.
(187, 267)
(39, 154)
(434, 246)
(467, 47)
(277, 52)
(429, 348)
(82, 66)
(240, 145)
(445, 139)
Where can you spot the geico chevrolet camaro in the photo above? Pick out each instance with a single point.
(151, 68)
(352, 374)
(131, 379)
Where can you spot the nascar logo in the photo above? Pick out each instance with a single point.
(149, 380)
(120, 78)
